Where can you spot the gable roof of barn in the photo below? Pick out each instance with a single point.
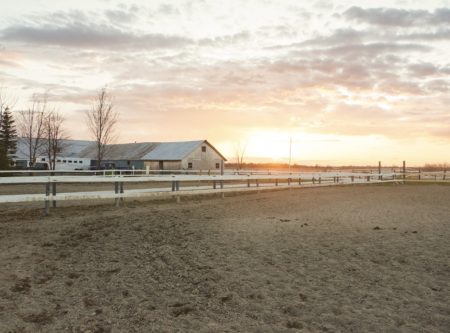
(149, 151)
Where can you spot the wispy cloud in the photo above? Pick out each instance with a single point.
(393, 17)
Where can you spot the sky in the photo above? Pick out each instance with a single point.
(332, 82)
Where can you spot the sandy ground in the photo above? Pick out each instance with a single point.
(341, 259)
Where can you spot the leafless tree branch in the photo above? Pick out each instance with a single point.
(101, 120)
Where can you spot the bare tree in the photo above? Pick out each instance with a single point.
(101, 121)
(31, 126)
(240, 153)
(54, 136)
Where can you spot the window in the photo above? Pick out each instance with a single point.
(70, 161)
(59, 161)
(75, 161)
(42, 159)
(203, 149)
(190, 165)
(64, 161)
(80, 162)
(217, 165)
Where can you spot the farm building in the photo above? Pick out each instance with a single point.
(182, 155)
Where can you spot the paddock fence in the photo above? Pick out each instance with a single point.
(122, 184)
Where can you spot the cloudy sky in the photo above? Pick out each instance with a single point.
(351, 82)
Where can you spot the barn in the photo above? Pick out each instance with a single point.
(180, 155)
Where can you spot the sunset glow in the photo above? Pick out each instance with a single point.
(349, 82)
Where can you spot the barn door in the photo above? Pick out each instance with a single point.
(161, 165)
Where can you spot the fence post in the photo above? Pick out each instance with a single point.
(320, 180)
(221, 183)
(276, 182)
(173, 185)
(420, 174)
(121, 191)
(214, 184)
(289, 181)
(248, 182)
(116, 191)
(353, 178)
(404, 170)
(380, 177)
(177, 185)
(257, 183)
(54, 194)
(47, 202)
(299, 181)
(313, 180)
(443, 177)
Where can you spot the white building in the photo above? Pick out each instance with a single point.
(181, 155)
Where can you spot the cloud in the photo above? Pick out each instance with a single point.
(392, 17)
(90, 36)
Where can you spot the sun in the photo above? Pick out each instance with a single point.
(269, 144)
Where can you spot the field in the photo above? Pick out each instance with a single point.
(367, 258)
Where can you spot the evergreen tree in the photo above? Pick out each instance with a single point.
(8, 139)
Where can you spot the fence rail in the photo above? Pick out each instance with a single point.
(178, 185)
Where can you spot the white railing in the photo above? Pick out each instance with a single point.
(177, 185)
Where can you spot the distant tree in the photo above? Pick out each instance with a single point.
(31, 125)
(54, 136)
(101, 120)
(8, 139)
(240, 154)
(6, 102)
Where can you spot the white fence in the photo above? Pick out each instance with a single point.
(178, 185)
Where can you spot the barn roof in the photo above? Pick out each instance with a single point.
(172, 151)
(71, 148)
(167, 151)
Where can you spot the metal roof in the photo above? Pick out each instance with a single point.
(125, 151)
(167, 151)
(70, 148)
(172, 151)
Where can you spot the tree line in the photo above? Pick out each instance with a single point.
(41, 128)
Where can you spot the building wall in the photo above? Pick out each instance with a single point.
(167, 165)
(123, 164)
(208, 160)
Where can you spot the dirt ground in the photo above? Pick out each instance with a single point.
(370, 258)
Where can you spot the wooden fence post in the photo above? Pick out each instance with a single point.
(116, 191)
(47, 202)
(380, 177)
(404, 170)
(54, 194)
